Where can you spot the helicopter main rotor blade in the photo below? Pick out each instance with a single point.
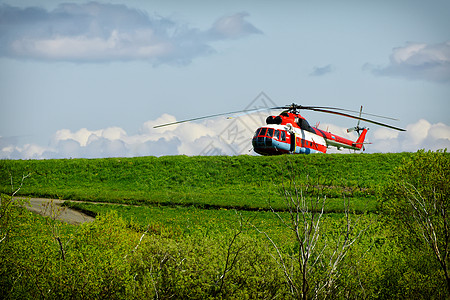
(212, 116)
(357, 118)
(296, 106)
(325, 109)
(354, 111)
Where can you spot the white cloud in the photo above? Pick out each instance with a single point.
(218, 136)
(232, 27)
(385, 134)
(98, 32)
(419, 131)
(81, 136)
(418, 61)
(420, 135)
(28, 151)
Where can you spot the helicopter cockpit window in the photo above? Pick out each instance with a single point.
(257, 131)
(269, 132)
(282, 135)
(276, 134)
(304, 125)
(262, 132)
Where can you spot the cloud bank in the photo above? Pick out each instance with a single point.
(418, 61)
(420, 135)
(211, 137)
(101, 32)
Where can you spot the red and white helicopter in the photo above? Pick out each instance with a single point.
(290, 132)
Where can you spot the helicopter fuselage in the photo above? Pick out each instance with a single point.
(291, 133)
(281, 139)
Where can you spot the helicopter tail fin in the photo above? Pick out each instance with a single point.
(360, 141)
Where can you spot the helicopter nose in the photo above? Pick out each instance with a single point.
(262, 142)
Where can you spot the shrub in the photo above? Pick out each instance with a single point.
(416, 200)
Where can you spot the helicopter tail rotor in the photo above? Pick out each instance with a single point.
(357, 128)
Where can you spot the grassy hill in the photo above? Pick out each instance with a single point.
(203, 228)
(243, 182)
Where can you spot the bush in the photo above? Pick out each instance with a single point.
(416, 201)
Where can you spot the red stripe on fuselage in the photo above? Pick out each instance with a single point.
(332, 137)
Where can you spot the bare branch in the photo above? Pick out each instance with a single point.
(281, 262)
(139, 243)
(14, 192)
(6, 203)
(427, 226)
(230, 262)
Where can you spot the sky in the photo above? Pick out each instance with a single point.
(91, 79)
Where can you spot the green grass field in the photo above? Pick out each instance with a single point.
(186, 193)
(237, 182)
(220, 227)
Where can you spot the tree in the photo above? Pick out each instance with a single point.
(418, 198)
(314, 266)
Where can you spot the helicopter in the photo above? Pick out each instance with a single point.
(290, 132)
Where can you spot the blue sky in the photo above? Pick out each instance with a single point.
(91, 79)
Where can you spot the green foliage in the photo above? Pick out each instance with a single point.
(32, 266)
(8, 214)
(426, 174)
(416, 200)
(106, 259)
(191, 243)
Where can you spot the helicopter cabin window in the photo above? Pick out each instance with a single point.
(276, 134)
(270, 132)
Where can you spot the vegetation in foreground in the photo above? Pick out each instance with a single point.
(190, 252)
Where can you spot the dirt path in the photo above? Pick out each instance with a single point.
(44, 208)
